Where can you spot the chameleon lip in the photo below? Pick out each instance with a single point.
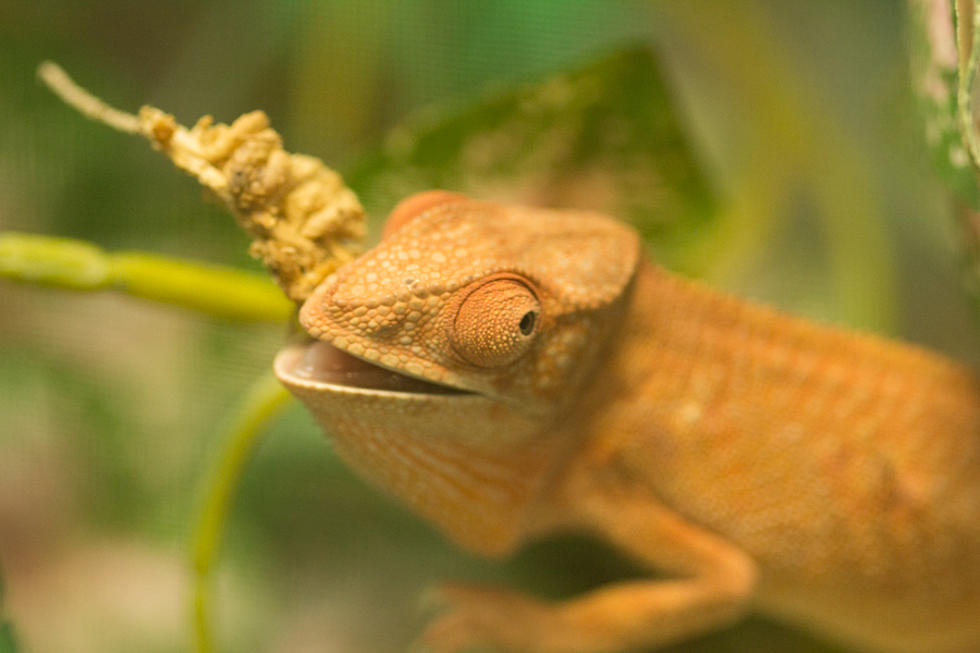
(320, 363)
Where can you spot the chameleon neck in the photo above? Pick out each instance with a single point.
(702, 346)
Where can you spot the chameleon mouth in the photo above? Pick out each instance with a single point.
(320, 363)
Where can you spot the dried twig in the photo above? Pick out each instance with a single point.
(303, 220)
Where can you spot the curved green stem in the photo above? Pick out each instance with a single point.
(263, 401)
(210, 289)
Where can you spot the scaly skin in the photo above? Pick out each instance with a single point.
(754, 460)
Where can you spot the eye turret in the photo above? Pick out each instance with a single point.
(496, 322)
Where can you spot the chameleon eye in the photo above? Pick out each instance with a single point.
(527, 322)
(496, 323)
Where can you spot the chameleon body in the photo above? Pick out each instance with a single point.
(509, 372)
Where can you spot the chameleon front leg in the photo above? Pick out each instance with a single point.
(710, 584)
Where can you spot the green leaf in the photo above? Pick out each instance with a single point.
(603, 137)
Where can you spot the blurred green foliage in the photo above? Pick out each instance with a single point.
(8, 644)
(604, 136)
(932, 53)
(945, 54)
(806, 187)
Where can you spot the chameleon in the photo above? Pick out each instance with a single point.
(510, 372)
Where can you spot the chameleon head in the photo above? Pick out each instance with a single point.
(444, 356)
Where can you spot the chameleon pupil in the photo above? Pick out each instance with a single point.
(527, 323)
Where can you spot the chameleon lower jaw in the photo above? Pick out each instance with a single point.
(318, 363)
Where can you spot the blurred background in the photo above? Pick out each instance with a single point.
(771, 147)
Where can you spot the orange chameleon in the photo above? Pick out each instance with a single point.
(509, 372)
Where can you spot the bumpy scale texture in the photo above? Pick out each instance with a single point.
(753, 460)
(397, 304)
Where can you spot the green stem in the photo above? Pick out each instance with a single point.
(210, 289)
(263, 401)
